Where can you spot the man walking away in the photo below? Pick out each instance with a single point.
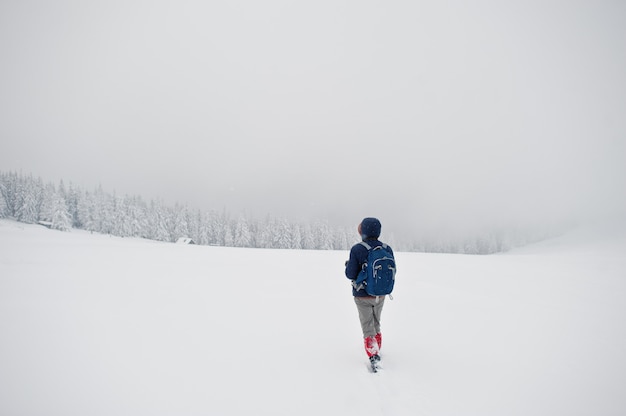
(369, 302)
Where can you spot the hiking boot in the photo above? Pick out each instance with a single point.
(371, 346)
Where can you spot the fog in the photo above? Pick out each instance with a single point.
(424, 114)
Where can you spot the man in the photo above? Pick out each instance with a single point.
(369, 307)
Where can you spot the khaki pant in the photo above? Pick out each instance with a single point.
(369, 314)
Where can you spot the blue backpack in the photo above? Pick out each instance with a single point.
(378, 274)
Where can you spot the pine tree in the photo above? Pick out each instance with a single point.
(3, 206)
(214, 228)
(9, 190)
(296, 237)
(137, 212)
(54, 209)
(308, 239)
(282, 234)
(72, 198)
(105, 211)
(341, 240)
(323, 237)
(180, 224)
(203, 228)
(242, 237)
(30, 200)
(157, 220)
(264, 233)
(85, 208)
(227, 232)
(194, 225)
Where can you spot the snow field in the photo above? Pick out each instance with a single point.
(99, 325)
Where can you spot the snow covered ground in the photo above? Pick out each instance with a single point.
(99, 325)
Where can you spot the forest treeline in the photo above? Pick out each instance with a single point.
(28, 199)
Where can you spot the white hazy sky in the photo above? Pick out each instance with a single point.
(419, 112)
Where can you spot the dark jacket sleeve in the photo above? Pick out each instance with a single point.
(353, 266)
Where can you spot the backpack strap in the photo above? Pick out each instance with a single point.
(367, 246)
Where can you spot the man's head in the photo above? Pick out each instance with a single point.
(369, 228)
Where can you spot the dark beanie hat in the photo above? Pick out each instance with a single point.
(370, 228)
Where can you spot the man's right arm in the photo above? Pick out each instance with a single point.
(353, 265)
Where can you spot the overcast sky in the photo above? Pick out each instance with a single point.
(420, 113)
